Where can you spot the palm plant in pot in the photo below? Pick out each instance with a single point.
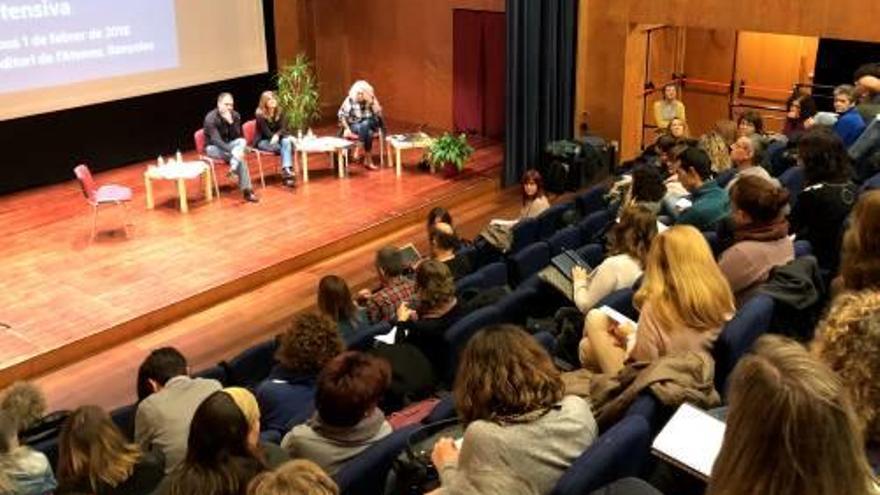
(298, 93)
(449, 152)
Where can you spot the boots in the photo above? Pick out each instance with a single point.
(250, 196)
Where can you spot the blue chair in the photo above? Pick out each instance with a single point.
(618, 453)
(872, 183)
(49, 447)
(621, 301)
(551, 219)
(713, 242)
(472, 281)
(802, 248)
(367, 472)
(443, 410)
(514, 307)
(458, 335)
(737, 337)
(593, 226)
(469, 252)
(216, 372)
(528, 261)
(525, 232)
(362, 340)
(123, 417)
(567, 238)
(725, 177)
(793, 180)
(592, 200)
(594, 254)
(252, 365)
(494, 274)
(547, 341)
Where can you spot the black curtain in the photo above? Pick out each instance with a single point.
(541, 42)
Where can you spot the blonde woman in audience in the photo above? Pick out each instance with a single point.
(760, 235)
(628, 243)
(23, 470)
(272, 455)
(678, 128)
(860, 266)
(25, 402)
(518, 421)
(791, 428)
(718, 150)
(299, 477)
(684, 301)
(95, 457)
(848, 341)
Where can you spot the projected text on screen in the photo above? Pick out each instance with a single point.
(47, 43)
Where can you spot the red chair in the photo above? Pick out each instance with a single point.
(249, 129)
(199, 139)
(106, 194)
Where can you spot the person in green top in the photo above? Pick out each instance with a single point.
(709, 203)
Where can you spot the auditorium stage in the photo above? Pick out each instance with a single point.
(66, 297)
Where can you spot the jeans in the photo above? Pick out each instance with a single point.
(364, 129)
(235, 158)
(283, 147)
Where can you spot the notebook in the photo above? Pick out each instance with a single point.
(567, 260)
(387, 338)
(410, 256)
(690, 440)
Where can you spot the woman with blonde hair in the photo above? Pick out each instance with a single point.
(684, 301)
(628, 243)
(94, 457)
(678, 128)
(299, 477)
(848, 341)
(718, 150)
(273, 136)
(791, 429)
(360, 115)
(272, 455)
(860, 266)
(519, 422)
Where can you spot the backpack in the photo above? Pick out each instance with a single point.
(413, 471)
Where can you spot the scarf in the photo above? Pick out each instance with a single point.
(772, 231)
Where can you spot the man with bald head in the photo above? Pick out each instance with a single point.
(745, 154)
(444, 242)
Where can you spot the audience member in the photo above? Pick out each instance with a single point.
(533, 198)
(746, 155)
(95, 457)
(299, 477)
(25, 402)
(163, 418)
(761, 239)
(821, 209)
(678, 128)
(360, 115)
(218, 459)
(860, 267)
(273, 135)
(800, 108)
(287, 394)
(444, 242)
(647, 189)
(382, 304)
(225, 141)
(518, 421)
(718, 150)
(348, 419)
(867, 81)
(335, 301)
(424, 325)
(23, 471)
(709, 203)
(791, 428)
(727, 129)
(849, 125)
(628, 243)
(668, 108)
(674, 187)
(684, 301)
(269, 453)
(438, 214)
(848, 341)
(749, 122)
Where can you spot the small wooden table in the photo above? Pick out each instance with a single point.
(324, 144)
(179, 172)
(412, 141)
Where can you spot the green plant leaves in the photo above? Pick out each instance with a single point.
(298, 94)
(449, 149)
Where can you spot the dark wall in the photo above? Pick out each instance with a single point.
(837, 60)
(43, 149)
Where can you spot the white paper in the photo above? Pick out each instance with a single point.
(387, 338)
(617, 316)
(692, 438)
(683, 204)
(458, 442)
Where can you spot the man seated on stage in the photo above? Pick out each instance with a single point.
(169, 398)
(360, 115)
(396, 288)
(226, 142)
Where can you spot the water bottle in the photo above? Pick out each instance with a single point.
(179, 157)
(160, 162)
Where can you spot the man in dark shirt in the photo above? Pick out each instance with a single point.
(224, 141)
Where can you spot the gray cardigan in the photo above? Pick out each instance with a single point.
(538, 451)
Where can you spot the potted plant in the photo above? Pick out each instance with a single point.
(298, 93)
(449, 151)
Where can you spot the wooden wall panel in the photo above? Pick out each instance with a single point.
(294, 29)
(708, 56)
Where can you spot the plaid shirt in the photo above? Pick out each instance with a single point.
(353, 112)
(383, 304)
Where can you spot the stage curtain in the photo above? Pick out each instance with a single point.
(541, 43)
(494, 56)
(467, 88)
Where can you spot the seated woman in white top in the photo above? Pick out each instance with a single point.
(519, 422)
(628, 244)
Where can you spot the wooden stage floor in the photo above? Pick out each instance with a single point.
(66, 298)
